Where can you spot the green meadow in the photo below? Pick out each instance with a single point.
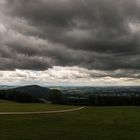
(8, 106)
(90, 123)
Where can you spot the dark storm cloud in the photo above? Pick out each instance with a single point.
(95, 34)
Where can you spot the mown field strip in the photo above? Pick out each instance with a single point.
(41, 112)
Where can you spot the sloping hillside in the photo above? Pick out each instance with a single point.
(35, 90)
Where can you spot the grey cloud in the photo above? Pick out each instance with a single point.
(93, 34)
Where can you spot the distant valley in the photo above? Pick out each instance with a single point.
(96, 96)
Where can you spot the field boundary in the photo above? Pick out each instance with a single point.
(41, 112)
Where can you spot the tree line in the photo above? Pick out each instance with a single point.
(56, 97)
(99, 100)
(23, 97)
(13, 95)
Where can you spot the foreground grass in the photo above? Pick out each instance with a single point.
(91, 123)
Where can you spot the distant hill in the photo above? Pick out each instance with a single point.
(35, 90)
(29, 94)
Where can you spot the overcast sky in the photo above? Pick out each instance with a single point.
(70, 42)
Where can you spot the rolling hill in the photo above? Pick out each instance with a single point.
(35, 90)
(29, 94)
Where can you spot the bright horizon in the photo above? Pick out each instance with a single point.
(65, 76)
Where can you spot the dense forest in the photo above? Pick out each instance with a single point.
(18, 96)
(30, 94)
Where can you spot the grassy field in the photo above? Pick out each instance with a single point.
(91, 123)
(8, 106)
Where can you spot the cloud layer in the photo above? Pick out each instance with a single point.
(89, 34)
(69, 76)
